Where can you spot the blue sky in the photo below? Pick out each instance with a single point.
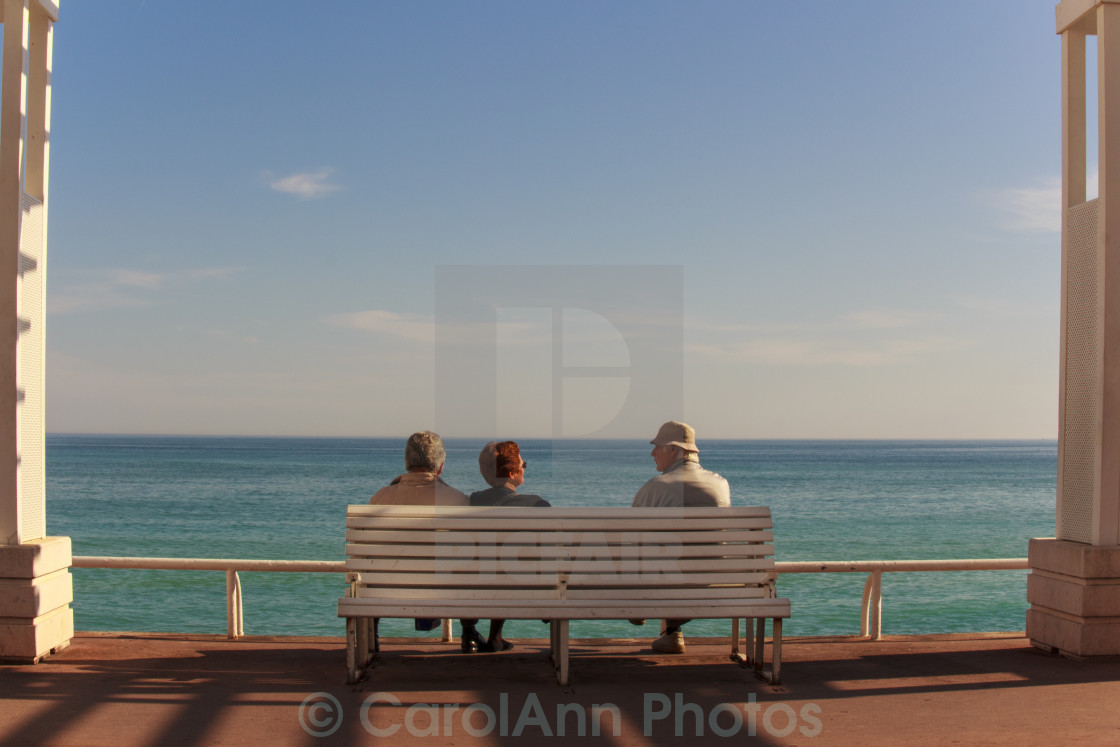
(250, 202)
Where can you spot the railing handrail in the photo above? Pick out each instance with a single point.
(871, 606)
(210, 564)
(339, 566)
(907, 566)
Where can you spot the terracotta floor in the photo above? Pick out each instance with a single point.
(149, 689)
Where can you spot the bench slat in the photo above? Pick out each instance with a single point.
(443, 566)
(394, 579)
(598, 610)
(508, 595)
(538, 537)
(458, 553)
(732, 514)
(527, 523)
(749, 553)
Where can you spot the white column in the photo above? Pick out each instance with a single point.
(1074, 586)
(13, 98)
(35, 584)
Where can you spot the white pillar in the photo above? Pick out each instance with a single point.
(35, 585)
(1074, 586)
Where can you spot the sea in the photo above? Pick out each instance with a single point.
(286, 498)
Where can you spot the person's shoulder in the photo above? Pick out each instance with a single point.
(716, 475)
(482, 497)
(648, 493)
(384, 493)
(449, 496)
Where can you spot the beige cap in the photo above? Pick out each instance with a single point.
(679, 434)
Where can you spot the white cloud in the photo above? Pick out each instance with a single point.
(309, 185)
(864, 319)
(422, 328)
(123, 288)
(887, 318)
(864, 338)
(1037, 208)
(825, 352)
(134, 278)
(1031, 208)
(983, 306)
(412, 327)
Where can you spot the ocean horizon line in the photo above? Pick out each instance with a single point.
(402, 437)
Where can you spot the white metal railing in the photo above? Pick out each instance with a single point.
(235, 609)
(871, 606)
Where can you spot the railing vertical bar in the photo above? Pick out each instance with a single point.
(240, 605)
(235, 606)
(877, 606)
(231, 626)
(865, 607)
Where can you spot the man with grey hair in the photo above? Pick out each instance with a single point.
(421, 485)
(682, 483)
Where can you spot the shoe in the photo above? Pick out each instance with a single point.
(472, 643)
(492, 646)
(670, 643)
(637, 622)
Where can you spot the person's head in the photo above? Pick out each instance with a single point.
(674, 440)
(500, 464)
(424, 453)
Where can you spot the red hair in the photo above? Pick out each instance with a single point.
(507, 457)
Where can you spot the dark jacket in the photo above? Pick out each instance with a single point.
(504, 496)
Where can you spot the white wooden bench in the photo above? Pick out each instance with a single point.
(561, 564)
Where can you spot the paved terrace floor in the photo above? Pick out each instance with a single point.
(154, 689)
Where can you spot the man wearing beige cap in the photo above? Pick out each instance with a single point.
(683, 482)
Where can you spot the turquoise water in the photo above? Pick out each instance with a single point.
(286, 498)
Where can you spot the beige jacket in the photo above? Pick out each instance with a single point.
(685, 483)
(419, 489)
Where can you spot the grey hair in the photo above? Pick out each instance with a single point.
(680, 453)
(425, 451)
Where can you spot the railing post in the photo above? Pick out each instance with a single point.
(235, 613)
(876, 605)
(865, 606)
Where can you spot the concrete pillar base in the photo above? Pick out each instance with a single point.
(36, 590)
(1074, 593)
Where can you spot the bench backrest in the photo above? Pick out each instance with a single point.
(539, 554)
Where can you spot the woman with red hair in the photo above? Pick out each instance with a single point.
(503, 468)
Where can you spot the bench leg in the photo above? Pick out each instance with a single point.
(560, 650)
(774, 677)
(776, 655)
(361, 639)
(742, 655)
(759, 643)
(351, 650)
